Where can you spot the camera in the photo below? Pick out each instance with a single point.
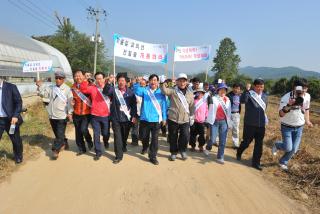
(297, 94)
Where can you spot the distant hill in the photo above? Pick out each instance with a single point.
(277, 73)
(253, 72)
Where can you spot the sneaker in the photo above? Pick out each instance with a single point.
(106, 145)
(206, 152)
(55, 155)
(154, 161)
(90, 145)
(184, 156)
(116, 161)
(235, 147)
(66, 147)
(144, 151)
(200, 148)
(80, 153)
(274, 150)
(192, 149)
(220, 161)
(283, 167)
(96, 157)
(172, 157)
(134, 143)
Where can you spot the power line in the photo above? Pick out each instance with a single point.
(30, 14)
(37, 13)
(43, 11)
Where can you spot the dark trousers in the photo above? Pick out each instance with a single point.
(121, 132)
(59, 129)
(163, 129)
(250, 133)
(100, 127)
(15, 138)
(178, 136)
(197, 130)
(146, 129)
(81, 123)
(106, 138)
(135, 132)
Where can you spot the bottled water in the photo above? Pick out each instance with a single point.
(12, 129)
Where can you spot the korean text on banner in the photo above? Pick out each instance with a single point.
(191, 53)
(136, 50)
(37, 66)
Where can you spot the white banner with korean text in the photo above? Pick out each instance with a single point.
(136, 50)
(37, 66)
(191, 53)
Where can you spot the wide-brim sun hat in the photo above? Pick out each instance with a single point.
(221, 86)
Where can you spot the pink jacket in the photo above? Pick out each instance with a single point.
(201, 113)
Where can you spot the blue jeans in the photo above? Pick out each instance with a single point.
(99, 125)
(219, 127)
(291, 141)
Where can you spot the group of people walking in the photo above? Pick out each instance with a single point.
(192, 114)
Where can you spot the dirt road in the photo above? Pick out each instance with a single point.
(78, 184)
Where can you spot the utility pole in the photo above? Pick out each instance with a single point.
(96, 13)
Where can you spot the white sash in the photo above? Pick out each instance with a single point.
(203, 100)
(105, 98)
(255, 96)
(183, 100)
(155, 103)
(83, 97)
(123, 104)
(261, 103)
(223, 105)
(60, 94)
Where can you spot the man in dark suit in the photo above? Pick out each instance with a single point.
(255, 121)
(10, 109)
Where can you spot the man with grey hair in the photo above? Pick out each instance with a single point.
(59, 100)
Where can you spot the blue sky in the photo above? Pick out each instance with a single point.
(273, 33)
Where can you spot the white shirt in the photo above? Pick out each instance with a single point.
(2, 113)
(294, 117)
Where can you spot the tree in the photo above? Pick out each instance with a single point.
(280, 86)
(226, 62)
(241, 79)
(76, 47)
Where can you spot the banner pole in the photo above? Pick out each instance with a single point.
(208, 65)
(173, 70)
(114, 69)
(207, 71)
(38, 76)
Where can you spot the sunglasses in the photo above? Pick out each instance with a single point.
(59, 78)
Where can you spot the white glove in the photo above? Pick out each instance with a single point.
(162, 78)
(191, 120)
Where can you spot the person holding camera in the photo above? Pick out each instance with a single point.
(294, 114)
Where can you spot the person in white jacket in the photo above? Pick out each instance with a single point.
(59, 100)
(219, 118)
